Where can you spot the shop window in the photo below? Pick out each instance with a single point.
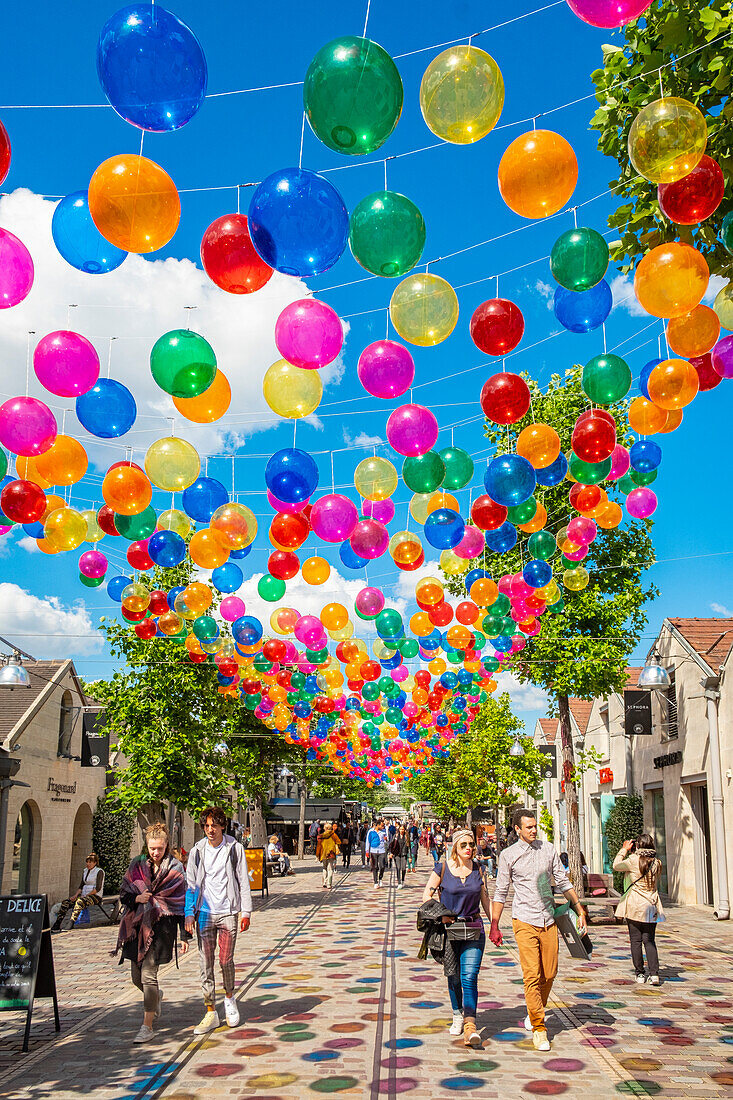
(66, 724)
(669, 709)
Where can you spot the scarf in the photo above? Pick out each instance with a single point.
(168, 897)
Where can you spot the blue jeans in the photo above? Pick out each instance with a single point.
(463, 990)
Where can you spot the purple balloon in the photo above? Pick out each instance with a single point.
(309, 334)
(641, 502)
(333, 518)
(16, 270)
(27, 426)
(369, 602)
(93, 563)
(386, 369)
(412, 430)
(66, 363)
(381, 510)
(723, 357)
(620, 463)
(369, 539)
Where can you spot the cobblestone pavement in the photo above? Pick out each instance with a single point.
(333, 1000)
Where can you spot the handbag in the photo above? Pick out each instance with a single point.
(620, 911)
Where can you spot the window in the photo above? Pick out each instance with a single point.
(66, 724)
(669, 710)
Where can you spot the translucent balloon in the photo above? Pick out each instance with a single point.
(126, 490)
(172, 463)
(487, 514)
(472, 544)
(497, 326)
(646, 418)
(79, 241)
(64, 529)
(134, 203)
(537, 174)
(405, 547)
(696, 196)
(606, 378)
(369, 539)
(509, 480)
(673, 384)
(424, 473)
(579, 259)
(695, 333)
(641, 503)
(539, 444)
(608, 13)
(375, 478)
(424, 309)
(5, 153)
(203, 497)
(708, 378)
(462, 94)
(229, 258)
(107, 410)
(584, 310)
(505, 398)
(66, 363)
(645, 455)
(298, 222)
(501, 540)
(183, 363)
(206, 550)
(386, 369)
(667, 139)
(93, 563)
(671, 279)
(309, 334)
(233, 526)
(16, 270)
(291, 475)
(64, 463)
(458, 466)
(575, 580)
(412, 429)
(419, 507)
(27, 426)
(333, 518)
(315, 570)
(174, 520)
(23, 501)
(231, 608)
(722, 357)
(594, 437)
(210, 405)
(290, 391)
(386, 234)
(166, 549)
(723, 306)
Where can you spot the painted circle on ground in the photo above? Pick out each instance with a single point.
(320, 1055)
(545, 1088)
(563, 1065)
(333, 1084)
(218, 1069)
(254, 1050)
(271, 1080)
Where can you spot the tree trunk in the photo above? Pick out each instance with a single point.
(301, 821)
(469, 818)
(171, 822)
(497, 834)
(257, 824)
(571, 795)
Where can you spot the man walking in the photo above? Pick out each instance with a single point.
(530, 865)
(414, 834)
(376, 849)
(218, 894)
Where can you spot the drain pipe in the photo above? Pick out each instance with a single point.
(711, 687)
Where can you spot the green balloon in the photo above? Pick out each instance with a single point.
(389, 622)
(317, 656)
(479, 641)
(137, 527)
(205, 628)
(726, 232)
(370, 691)
(455, 656)
(458, 467)
(556, 608)
(492, 624)
(3, 463)
(588, 473)
(522, 513)
(645, 477)
(490, 664)
(606, 378)
(352, 95)
(542, 545)
(270, 588)
(251, 702)
(409, 648)
(566, 563)
(626, 484)
(297, 680)
(425, 473)
(90, 582)
(183, 363)
(579, 259)
(501, 605)
(393, 715)
(386, 234)
(384, 683)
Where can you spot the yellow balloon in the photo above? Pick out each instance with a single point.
(135, 597)
(419, 506)
(234, 526)
(291, 391)
(441, 499)
(94, 531)
(169, 623)
(451, 564)
(343, 634)
(667, 139)
(314, 571)
(723, 306)
(172, 463)
(175, 520)
(181, 607)
(424, 309)
(375, 478)
(462, 94)
(575, 580)
(64, 529)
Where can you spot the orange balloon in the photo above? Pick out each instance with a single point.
(420, 624)
(45, 547)
(671, 279)
(27, 470)
(459, 637)
(198, 597)
(673, 384)
(538, 521)
(674, 419)
(334, 616)
(134, 203)
(52, 503)
(538, 174)
(441, 499)
(484, 591)
(611, 516)
(126, 490)
(539, 444)
(206, 550)
(429, 591)
(315, 570)
(64, 463)
(646, 418)
(210, 405)
(693, 333)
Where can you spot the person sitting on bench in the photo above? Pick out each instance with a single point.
(275, 854)
(89, 893)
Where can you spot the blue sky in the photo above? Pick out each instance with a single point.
(546, 60)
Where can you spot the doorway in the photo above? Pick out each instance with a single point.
(660, 836)
(81, 844)
(701, 843)
(26, 843)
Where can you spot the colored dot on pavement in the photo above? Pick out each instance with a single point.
(218, 1069)
(271, 1080)
(320, 1055)
(333, 1084)
(639, 1088)
(462, 1084)
(403, 1044)
(509, 1036)
(477, 1065)
(564, 1065)
(545, 1088)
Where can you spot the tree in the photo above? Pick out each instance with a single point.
(112, 833)
(670, 34)
(625, 821)
(546, 823)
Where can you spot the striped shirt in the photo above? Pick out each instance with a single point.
(531, 869)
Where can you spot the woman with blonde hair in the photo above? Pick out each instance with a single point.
(327, 849)
(640, 904)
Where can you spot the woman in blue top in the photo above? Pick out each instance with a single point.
(463, 891)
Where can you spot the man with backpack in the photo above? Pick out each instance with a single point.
(376, 849)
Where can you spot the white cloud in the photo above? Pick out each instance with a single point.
(523, 696)
(722, 610)
(546, 291)
(44, 626)
(716, 284)
(361, 440)
(29, 544)
(622, 289)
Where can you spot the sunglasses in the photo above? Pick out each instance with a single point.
(467, 844)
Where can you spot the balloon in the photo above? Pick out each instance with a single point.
(231, 608)
(707, 376)
(497, 326)
(537, 573)
(424, 309)
(333, 518)
(309, 334)
(594, 438)
(645, 455)
(64, 529)
(645, 418)
(579, 259)
(298, 222)
(315, 570)
(126, 490)
(291, 475)
(695, 333)
(537, 174)
(641, 503)
(606, 379)
(93, 563)
(486, 514)
(107, 410)
(608, 13)
(667, 139)
(16, 270)
(386, 369)
(79, 241)
(501, 540)
(444, 528)
(369, 539)
(183, 363)
(233, 526)
(203, 497)
(270, 589)
(66, 363)
(151, 67)
(290, 391)
(166, 549)
(462, 94)
(722, 357)
(472, 544)
(64, 463)
(424, 473)
(458, 466)
(673, 384)
(509, 479)
(229, 258)
(723, 306)
(539, 444)
(134, 203)
(505, 398)
(696, 196)
(23, 501)
(288, 530)
(27, 426)
(206, 551)
(172, 463)
(281, 564)
(671, 279)
(412, 430)
(5, 153)
(553, 474)
(386, 234)
(584, 310)
(375, 478)
(210, 405)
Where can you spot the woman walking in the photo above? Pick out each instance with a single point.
(640, 904)
(399, 849)
(153, 892)
(326, 851)
(347, 842)
(463, 891)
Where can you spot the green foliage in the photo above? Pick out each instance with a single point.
(629, 80)
(546, 823)
(112, 833)
(625, 821)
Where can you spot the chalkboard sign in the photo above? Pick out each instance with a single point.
(26, 958)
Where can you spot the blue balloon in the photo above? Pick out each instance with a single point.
(116, 586)
(449, 679)
(151, 67)
(173, 595)
(432, 642)
(240, 553)
(509, 479)
(474, 575)
(166, 549)
(444, 528)
(227, 577)
(203, 497)
(291, 475)
(554, 473)
(645, 455)
(646, 370)
(584, 310)
(502, 539)
(298, 222)
(349, 558)
(503, 643)
(35, 530)
(247, 630)
(79, 241)
(537, 573)
(107, 410)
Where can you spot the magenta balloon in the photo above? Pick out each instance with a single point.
(722, 356)
(27, 426)
(608, 13)
(620, 463)
(398, 675)
(308, 629)
(66, 363)
(369, 539)
(504, 584)
(386, 369)
(93, 563)
(582, 531)
(641, 502)
(381, 510)
(231, 607)
(370, 601)
(309, 334)
(285, 506)
(333, 518)
(412, 430)
(16, 270)
(576, 555)
(471, 545)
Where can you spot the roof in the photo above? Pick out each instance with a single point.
(580, 710)
(712, 639)
(549, 728)
(18, 706)
(632, 677)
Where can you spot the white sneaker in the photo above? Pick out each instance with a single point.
(209, 1022)
(540, 1040)
(527, 1024)
(144, 1035)
(376, 886)
(456, 1028)
(399, 885)
(160, 1004)
(640, 979)
(231, 1011)
(653, 979)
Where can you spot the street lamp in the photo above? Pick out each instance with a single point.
(12, 672)
(516, 749)
(653, 676)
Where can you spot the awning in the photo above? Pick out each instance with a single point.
(316, 809)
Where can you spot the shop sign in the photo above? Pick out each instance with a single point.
(605, 775)
(60, 790)
(668, 759)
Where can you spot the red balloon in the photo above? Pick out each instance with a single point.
(284, 565)
(4, 152)
(229, 257)
(411, 566)
(497, 326)
(158, 602)
(467, 613)
(593, 437)
(289, 530)
(137, 555)
(505, 398)
(708, 377)
(197, 658)
(274, 650)
(584, 497)
(146, 629)
(23, 501)
(106, 520)
(422, 678)
(134, 616)
(602, 413)
(440, 614)
(696, 196)
(370, 670)
(486, 514)
(134, 465)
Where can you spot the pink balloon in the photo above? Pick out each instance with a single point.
(412, 430)
(386, 369)
(608, 13)
(333, 518)
(722, 357)
(576, 555)
(381, 510)
(620, 463)
(369, 602)
(231, 607)
(27, 426)
(582, 531)
(369, 539)
(16, 270)
(93, 563)
(66, 363)
(504, 584)
(400, 674)
(308, 629)
(471, 545)
(284, 506)
(309, 334)
(641, 502)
